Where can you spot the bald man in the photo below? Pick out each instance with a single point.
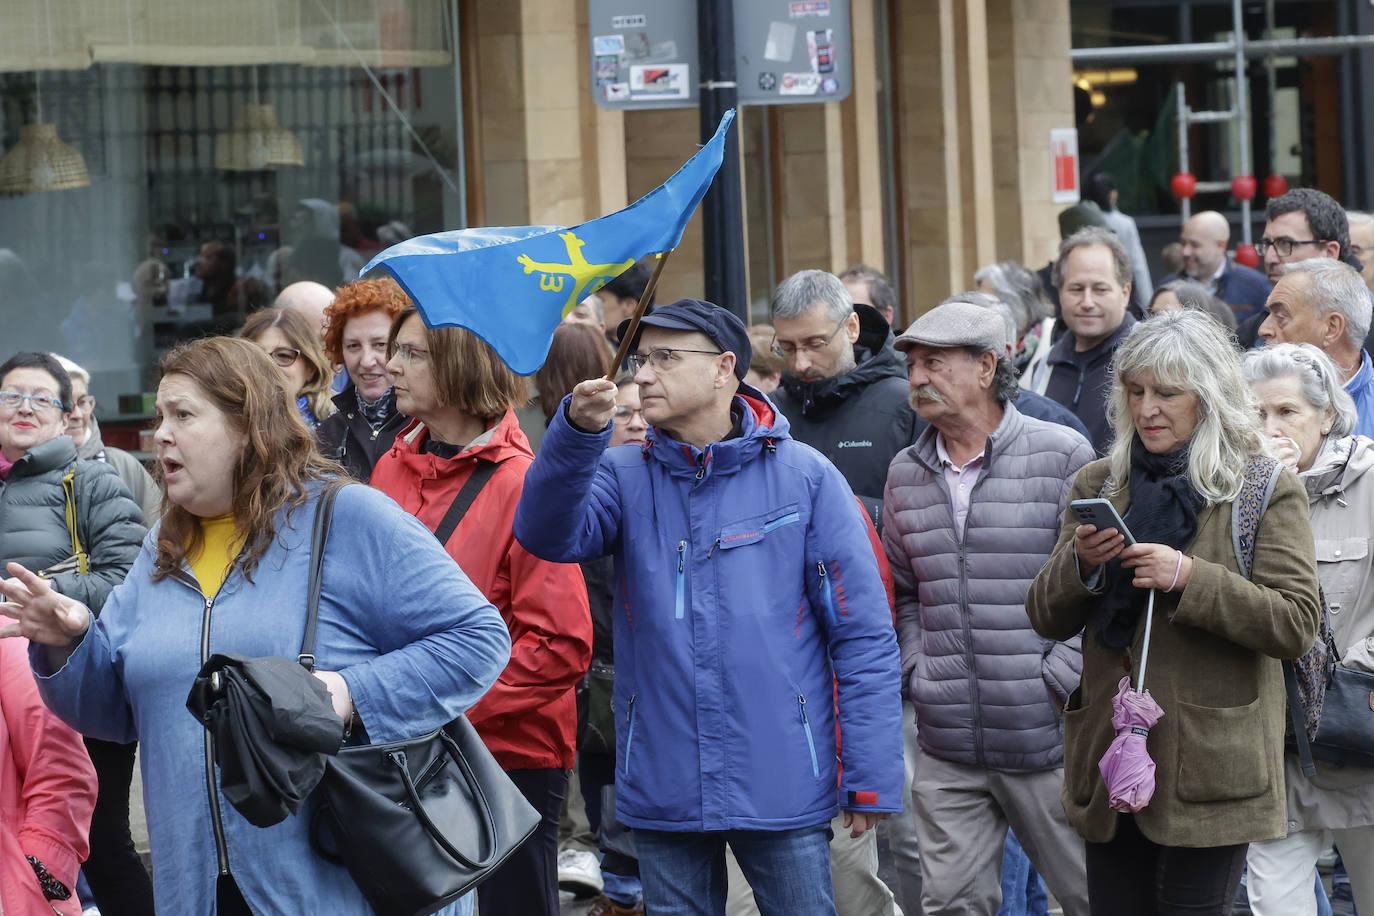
(309, 298)
(1362, 243)
(1204, 239)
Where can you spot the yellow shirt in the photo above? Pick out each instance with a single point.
(221, 545)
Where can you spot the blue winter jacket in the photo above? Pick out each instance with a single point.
(415, 641)
(746, 593)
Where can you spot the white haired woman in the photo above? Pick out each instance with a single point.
(1186, 442)
(1305, 410)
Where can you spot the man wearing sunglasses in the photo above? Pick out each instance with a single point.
(747, 597)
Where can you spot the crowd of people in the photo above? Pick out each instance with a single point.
(766, 590)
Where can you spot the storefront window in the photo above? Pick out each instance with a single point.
(218, 152)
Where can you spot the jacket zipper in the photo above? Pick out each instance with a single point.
(963, 604)
(810, 742)
(221, 846)
(681, 579)
(827, 597)
(630, 734)
(385, 424)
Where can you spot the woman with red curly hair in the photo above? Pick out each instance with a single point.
(365, 423)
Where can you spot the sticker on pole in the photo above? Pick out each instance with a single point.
(1064, 157)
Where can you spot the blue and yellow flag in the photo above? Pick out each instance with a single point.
(512, 286)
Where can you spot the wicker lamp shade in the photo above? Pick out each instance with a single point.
(41, 162)
(257, 142)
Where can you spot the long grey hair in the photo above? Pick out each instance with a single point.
(1189, 350)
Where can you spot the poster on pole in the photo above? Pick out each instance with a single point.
(1064, 157)
(644, 52)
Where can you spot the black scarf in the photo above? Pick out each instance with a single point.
(1164, 508)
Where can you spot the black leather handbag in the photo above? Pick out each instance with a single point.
(1345, 732)
(417, 823)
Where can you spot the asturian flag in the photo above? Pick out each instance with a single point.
(512, 286)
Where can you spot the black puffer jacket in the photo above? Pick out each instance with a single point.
(33, 520)
(346, 437)
(859, 420)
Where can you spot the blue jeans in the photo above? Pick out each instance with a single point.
(1023, 893)
(789, 870)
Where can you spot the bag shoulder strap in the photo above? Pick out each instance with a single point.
(463, 501)
(1246, 513)
(324, 514)
(1261, 476)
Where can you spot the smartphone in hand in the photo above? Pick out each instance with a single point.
(1101, 514)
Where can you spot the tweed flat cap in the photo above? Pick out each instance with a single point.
(957, 324)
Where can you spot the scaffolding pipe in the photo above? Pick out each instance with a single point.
(1242, 107)
(1218, 50)
(1185, 204)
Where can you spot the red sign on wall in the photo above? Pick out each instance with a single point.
(1064, 159)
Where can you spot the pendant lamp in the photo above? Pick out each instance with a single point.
(257, 140)
(40, 161)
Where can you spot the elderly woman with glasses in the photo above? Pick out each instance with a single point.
(74, 523)
(459, 467)
(1309, 418)
(1186, 449)
(296, 348)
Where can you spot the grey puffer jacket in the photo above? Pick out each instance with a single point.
(33, 520)
(983, 682)
(141, 485)
(859, 420)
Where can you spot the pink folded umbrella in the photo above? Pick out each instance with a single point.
(1126, 767)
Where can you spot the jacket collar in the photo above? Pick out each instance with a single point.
(761, 427)
(875, 359)
(58, 452)
(1063, 352)
(1337, 465)
(925, 451)
(503, 439)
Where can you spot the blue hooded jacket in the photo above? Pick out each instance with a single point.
(746, 595)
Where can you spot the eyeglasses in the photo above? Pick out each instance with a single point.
(285, 356)
(1359, 251)
(411, 354)
(661, 358)
(39, 402)
(85, 402)
(623, 414)
(1284, 246)
(815, 344)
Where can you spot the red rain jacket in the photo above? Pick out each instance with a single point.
(528, 718)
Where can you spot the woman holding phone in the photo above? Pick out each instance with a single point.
(1185, 436)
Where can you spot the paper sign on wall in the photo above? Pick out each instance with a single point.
(1064, 159)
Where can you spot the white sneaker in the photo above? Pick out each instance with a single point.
(580, 872)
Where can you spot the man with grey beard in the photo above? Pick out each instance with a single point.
(970, 513)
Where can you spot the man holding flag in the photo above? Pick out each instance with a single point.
(746, 592)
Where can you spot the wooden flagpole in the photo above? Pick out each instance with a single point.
(645, 298)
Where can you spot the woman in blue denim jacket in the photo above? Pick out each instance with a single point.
(405, 642)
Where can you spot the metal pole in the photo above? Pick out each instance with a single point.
(1272, 87)
(461, 165)
(722, 209)
(1185, 204)
(1242, 106)
(1218, 50)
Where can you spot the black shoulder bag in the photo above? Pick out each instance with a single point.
(419, 823)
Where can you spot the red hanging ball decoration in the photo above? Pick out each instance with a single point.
(1184, 185)
(1243, 187)
(1247, 255)
(1275, 186)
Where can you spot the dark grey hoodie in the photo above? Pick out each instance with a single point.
(859, 420)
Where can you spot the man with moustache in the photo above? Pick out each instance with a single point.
(971, 513)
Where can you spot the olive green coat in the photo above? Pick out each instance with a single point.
(1213, 668)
